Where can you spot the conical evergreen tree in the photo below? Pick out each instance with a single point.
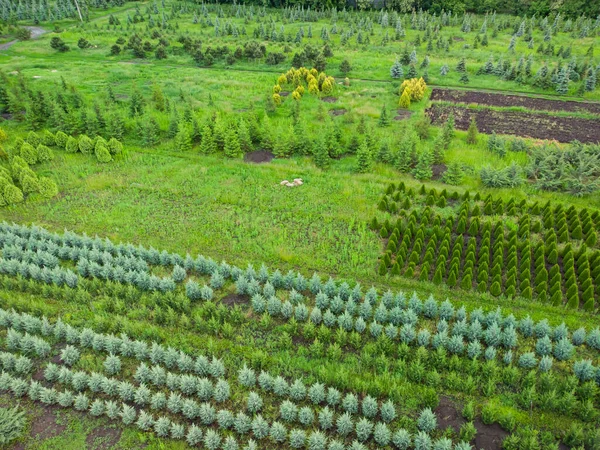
(244, 136)
(472, 132)
(321, 154)
(562, 81)
(232, 147)
(183, 140)
(208, 144)
(384, 118)
(396, 70)
(364, 158)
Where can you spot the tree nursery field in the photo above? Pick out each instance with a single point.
(291, 225)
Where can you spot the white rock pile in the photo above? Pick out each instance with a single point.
(294, 183)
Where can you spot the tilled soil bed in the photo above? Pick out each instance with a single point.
(505, 100)
(537, 126)
(259, 156)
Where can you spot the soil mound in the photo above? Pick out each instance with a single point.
(259, 156)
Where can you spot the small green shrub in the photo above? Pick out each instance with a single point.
(12, 422)
(29, 153)
(85, 144)
(102, 154)
(12, 194)
(47, 187)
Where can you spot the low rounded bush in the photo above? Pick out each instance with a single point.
(71, 145)
(85, 144)
(60, 139)
(29, 153)
(30, 184)
(12, 194)
(102, 154)
(44, 153)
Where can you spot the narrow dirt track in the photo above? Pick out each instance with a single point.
(35, 33)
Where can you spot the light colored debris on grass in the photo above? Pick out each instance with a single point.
(294, 183)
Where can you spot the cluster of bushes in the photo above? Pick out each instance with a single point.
(18, 179)
(411, 90)
(460, 347)
(45, 248)
(70, 388)
(316, 83)
(35, 148)
(558, 78)
(574, 168)
(500, 145)
(511, 263)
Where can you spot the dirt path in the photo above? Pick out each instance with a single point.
(35, 33)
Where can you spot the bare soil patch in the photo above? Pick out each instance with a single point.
(458, 38)
(525, 124)
(403, 114)
(329, 99)
(284, 93)
(235, 299)
(44, 426)
(299, 340)
(448, 415)
(39, 375)
(438, 170)
(489, 437)
(337, 112)
(259, 156)
(103, 438)
(510, 100)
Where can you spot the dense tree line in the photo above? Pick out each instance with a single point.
(571, 8)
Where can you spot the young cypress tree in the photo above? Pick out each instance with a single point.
(384, 119)
(472, 132)
(183, 139)
(244, 136)
(208, 144)
(364, 157)
(423, 169)
(232, 147)
(321, 154)
(590, 81)
(396, 70)
(562, 81)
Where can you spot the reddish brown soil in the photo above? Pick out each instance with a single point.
(39, 375)
(438, 170)
(103, 438)
(502, 100)
(329, 99)
(259, 156)
(45, 426)
(403, 114)
(489, 437)
(537, 126)
(448, 416)
(235, 299)
(337, 112)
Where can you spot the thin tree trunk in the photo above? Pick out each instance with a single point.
(78, 10)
